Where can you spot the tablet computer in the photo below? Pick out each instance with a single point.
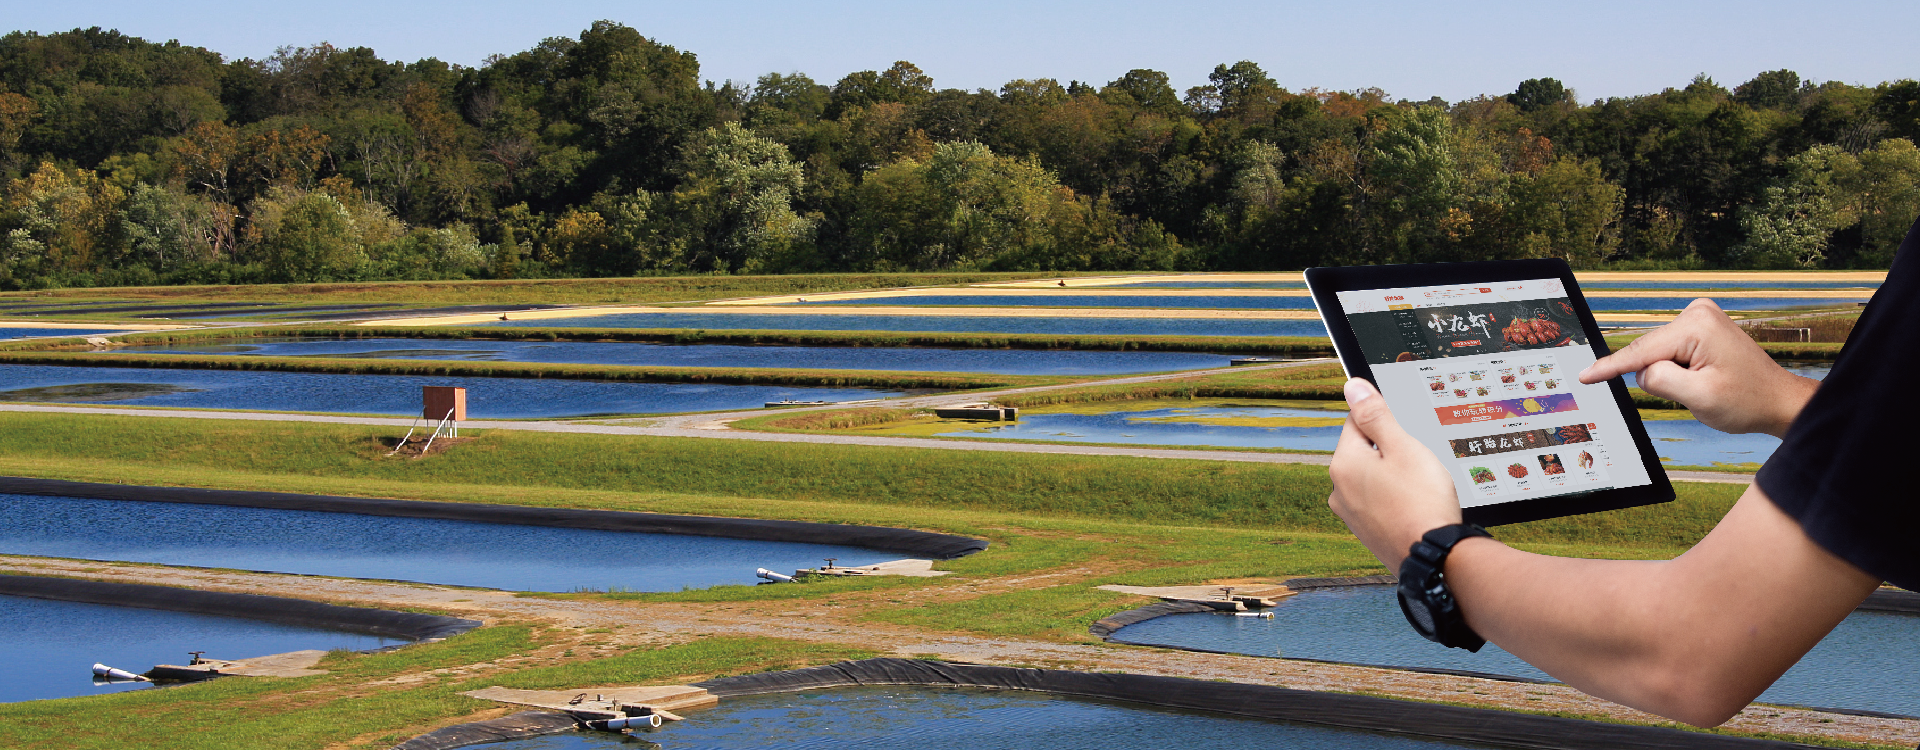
(1480, 362)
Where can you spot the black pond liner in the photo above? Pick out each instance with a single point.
(917, 543)
(381, 622)
(1344, 711)
(1881, 600)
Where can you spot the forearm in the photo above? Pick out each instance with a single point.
(1694, 638)
(1794, 393)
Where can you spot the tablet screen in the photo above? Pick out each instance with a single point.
(1485, 375)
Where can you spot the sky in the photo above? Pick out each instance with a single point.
(1412, 50)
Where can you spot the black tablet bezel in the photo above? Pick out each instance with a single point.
(1325, 284)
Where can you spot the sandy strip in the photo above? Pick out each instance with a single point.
(933, 296)
(926, 312)
(95, 326)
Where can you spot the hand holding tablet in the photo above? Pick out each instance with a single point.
(1479, 362)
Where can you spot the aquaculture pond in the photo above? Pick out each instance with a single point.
(487, 398)
(992, 361)
(466, 553)
(1230, 426)
(1867, 663)
(1702, 284)
(55, 644)
(27, 333)
(1060, 326)
(1225, 301)
(900, 718)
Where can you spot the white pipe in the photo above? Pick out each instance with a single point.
(102, 670)
(772, 576)
(1267, 615)
(634, 722)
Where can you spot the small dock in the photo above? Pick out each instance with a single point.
(290, 664)
(1226, 598)
(986, 412)
(606, 702)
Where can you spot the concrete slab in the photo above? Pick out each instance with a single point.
(603, 702)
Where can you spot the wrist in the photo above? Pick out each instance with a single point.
(1796, 392)
(1425, 596)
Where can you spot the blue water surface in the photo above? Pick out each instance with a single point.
(23, 333)
(899, 359)
(487, 398)
(1718, 284)
(1147, 427)
(1865, 663)
(54, 644)
(722, 321)
(917, 718)
(1598, 304)
(465, 553)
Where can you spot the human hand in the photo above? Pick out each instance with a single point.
(1704, 361)
(1387, 487)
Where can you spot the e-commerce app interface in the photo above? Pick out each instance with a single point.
(1484, 374)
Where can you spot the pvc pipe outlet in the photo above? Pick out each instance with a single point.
(772, 576)
(1266, 615)
(634, 722)
(102, 670)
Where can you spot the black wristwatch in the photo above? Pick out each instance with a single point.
(1424, 597)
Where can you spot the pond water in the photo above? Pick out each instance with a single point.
(1599, 304)
(25, 333)
(465, 553)
(890, 718)
(487, 398)
(66, 638)
(1237, 426)
(722, 321)
(1867, 663)
(1705, 284)
(901, 359)
(1687, 442)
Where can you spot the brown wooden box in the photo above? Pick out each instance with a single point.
(437, 400)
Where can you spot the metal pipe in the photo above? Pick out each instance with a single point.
(634, 722)
(772, 576)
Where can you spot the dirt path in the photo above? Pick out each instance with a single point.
(836, 620)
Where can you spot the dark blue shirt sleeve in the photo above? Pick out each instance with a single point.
(1839, 469)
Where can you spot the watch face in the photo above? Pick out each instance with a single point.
(1418, 615)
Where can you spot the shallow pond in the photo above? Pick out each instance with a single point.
(721, 321)
(901, 359)
(466, 553)
(66, 638)
(900, 718)
(1867, 663)
(1708, 284)
(487, 398)
(25, 333)
(1235, 426)
(1224, 301)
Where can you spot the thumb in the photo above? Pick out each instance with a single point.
(1368, 413)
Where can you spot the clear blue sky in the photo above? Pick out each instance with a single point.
(1413, 50)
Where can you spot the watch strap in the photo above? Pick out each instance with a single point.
(1423, 585)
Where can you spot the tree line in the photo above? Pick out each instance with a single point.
(124, 161)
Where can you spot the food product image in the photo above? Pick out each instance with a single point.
(1407, 357)
(1572, 433)
(1552, 384)
(1532, 385)
(1480, 391)
(1550, 465)
(1507, 378)
(1461, 392)
(1481, 474)
(1516, 471)
(1477, 375)
(1546, 369)
(1533, 332)
(1437, 385)
(1586, 460)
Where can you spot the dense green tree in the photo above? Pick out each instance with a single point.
(1539, 93)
